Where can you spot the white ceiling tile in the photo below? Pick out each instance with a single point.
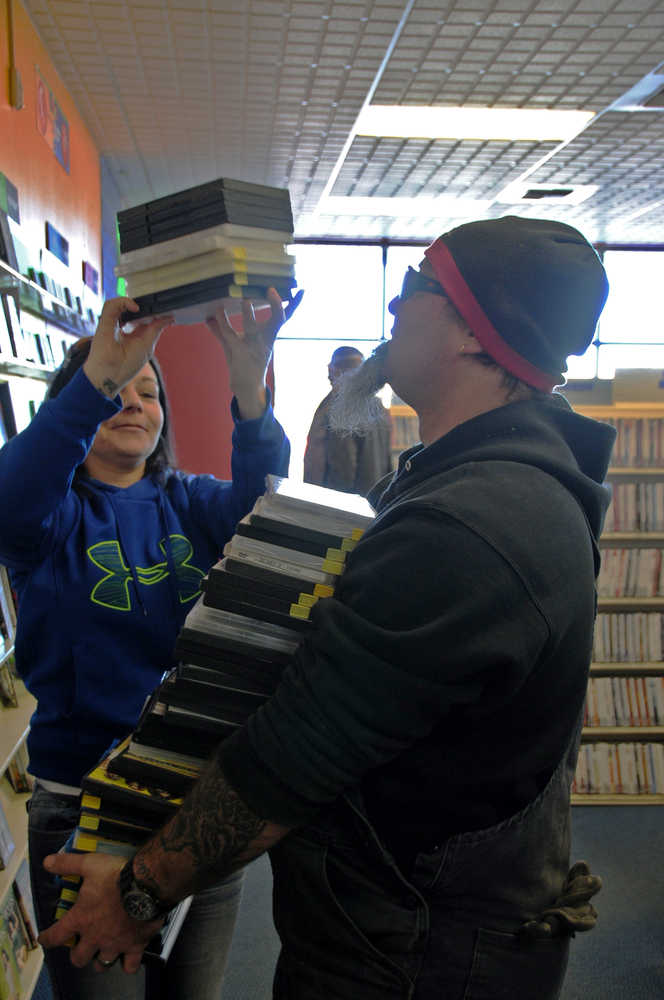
(272, 87)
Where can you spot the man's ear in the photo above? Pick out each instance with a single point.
(469, 342)
(472, 344)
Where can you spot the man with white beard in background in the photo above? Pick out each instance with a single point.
(341, 459)
(410, 776)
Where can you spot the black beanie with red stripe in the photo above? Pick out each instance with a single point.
(531, 291)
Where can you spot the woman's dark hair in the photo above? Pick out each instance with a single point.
(162, 458)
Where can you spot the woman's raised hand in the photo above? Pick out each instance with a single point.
(116, 355)
(248, 351)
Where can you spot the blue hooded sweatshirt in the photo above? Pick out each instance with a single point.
(105, 575)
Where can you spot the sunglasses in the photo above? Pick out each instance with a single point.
(415, 281)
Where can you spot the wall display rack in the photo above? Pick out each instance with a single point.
(36, 329)
(31, 347)
(45, 304)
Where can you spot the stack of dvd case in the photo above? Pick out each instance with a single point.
(117, 816)
(286, 555)
(192, 251)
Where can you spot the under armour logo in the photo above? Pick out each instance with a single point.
(112, 591)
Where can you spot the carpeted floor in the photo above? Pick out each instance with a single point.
(621, 959)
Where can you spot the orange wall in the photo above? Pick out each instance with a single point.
(69, 201)
(194, 368)
(193, 362)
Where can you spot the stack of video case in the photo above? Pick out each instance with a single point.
(209, 246)
(286, 555)
(117, 816)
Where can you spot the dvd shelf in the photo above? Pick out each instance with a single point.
(622, 751)
(621, 761)
(405, 429)
(16, 917)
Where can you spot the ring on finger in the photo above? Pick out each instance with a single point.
(107, 963)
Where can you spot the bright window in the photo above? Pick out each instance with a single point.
(634, 311)
(346, 299)
(342, 304)
(343, 292)
(630, 333)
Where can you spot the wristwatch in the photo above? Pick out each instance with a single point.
(138, 901)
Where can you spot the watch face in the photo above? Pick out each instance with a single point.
(140, 905)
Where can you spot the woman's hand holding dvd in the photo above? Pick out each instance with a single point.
(117, 355)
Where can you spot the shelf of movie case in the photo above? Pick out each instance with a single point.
(13, 806)
(635, 473)
(631, 604)
(30, 972)
(622, 734)
(631, 540)
(14, 725)
(652, 668)
(617, 800)
(616, 411)
(622, 409)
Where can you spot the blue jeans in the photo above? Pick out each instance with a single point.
(195, 969)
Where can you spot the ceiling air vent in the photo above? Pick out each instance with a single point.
(568, 194)
(546, 192)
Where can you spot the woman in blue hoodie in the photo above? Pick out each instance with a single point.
(107, 545)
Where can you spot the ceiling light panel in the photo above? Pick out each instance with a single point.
(503, 124)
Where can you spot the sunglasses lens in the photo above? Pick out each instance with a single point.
(407, 287)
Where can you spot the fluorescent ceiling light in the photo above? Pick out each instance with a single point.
(423, 208)
(506, 124)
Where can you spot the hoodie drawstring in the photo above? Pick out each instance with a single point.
(172, 575)
(123, 550)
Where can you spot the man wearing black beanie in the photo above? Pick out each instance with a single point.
(411, 774)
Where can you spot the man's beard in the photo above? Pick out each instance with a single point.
(355, 408)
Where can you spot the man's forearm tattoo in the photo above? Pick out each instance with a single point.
(144, 876)
(213, 826)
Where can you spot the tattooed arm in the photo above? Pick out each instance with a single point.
(213, 833)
